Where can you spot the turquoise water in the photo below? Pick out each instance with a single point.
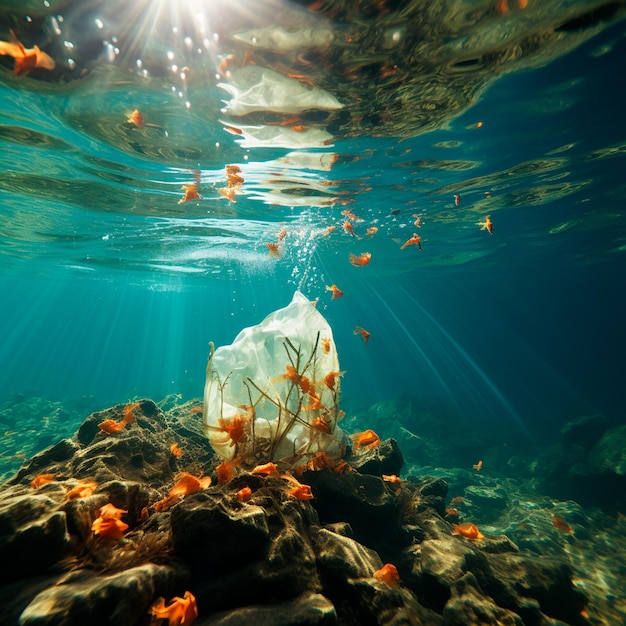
(112, 288)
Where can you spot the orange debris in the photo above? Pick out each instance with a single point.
(467, 530)
(388, 574)
(26, 59)
(368, 439)
(560, 523)
(337, 293)
(359, 330)
(179, 611)
(41, 480)
(83, 489)
(244, 494)
(363, 259)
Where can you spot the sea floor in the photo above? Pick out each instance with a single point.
(505, 493)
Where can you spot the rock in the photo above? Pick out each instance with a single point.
(385, 458)
(33, 536)
(210, 534)
(148, 415)
(307, 610)
(609, 454)
(365, 502)
(584, 431)
(487, 502)
(469, 605)
(263, 546)
(53, 457)
(85, 598)
(268, 560)
(347, 569)
(340, 557)
(433, 492)
(445, 559)
(533, 588)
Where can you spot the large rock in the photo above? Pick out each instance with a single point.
(85, 598)
(609, 454)
(33, 536)
(469, 605)
(584, 431)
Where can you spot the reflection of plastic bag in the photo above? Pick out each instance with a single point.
(255, 88)
(273, 394)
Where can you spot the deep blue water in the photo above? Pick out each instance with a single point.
(111, 288)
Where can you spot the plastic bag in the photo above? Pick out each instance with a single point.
(273, 394)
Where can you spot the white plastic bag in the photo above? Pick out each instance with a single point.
(273, 394)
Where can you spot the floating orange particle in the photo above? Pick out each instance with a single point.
(416, 240)
(337, 293)
(26, 59)
(478, 466)
(136, 118)
(487, 225)
(274, 250)
(191, 193)
(359, 330)
(363, 259)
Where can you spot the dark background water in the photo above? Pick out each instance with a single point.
(524, 327)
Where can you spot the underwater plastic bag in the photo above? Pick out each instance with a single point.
(272, 395)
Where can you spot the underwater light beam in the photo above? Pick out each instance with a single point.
(415, 344)
(470, 361)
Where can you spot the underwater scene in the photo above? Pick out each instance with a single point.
(312, 312)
